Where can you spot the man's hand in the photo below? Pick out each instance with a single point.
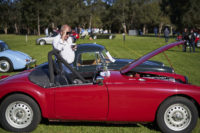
(63, 35)
(74, 47)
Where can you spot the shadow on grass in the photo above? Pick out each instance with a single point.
(150, 126)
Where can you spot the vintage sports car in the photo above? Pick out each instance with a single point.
(88, 57)
(13, 60)
(122, 96)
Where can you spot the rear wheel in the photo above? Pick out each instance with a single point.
(5, 65)
(19, 113)
(177, 115)
(42, 42)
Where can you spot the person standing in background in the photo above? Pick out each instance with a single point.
(185, 37)
(166, 34)
(192, 40)
(155, 31)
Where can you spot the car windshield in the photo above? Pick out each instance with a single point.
(3, 46)
(107, 55)
(53, 34)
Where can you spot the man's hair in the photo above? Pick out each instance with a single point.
(64, 27)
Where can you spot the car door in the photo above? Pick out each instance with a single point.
(81, 102)
(49, 40)
(136, 98)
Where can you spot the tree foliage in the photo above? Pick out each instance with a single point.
(33, 16)
(182, 14)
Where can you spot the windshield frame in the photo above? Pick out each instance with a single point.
(107, 56)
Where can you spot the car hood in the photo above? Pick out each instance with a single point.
(146, 57)
(18, 54)
(126, 61)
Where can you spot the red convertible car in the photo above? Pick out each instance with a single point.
(123, 96)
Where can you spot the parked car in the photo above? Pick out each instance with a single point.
(13, 60)
(46, 40)
(89, 57)
(197, 41)
(103, 36)
(125, 96)
(49, 39)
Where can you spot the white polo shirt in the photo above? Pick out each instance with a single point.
(65, 48)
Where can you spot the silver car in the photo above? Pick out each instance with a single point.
(46, 40)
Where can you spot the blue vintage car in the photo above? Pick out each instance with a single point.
(13, 60)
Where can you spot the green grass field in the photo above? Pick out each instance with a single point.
(184, 63)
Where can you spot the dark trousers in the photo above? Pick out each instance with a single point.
(166, 38)
(185, 46)
(192, 46)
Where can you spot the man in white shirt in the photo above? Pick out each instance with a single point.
(64, 43)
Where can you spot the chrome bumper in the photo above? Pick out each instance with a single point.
(31, 64)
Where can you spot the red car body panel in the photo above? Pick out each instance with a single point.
(85, 102)
(138, 96)
(21, 84)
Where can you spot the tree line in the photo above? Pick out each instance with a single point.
(33, 16)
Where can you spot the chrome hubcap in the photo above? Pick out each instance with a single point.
(19, 114)
(177, 117)
(41, 42)
(4, 66)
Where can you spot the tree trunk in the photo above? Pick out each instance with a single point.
(16, 29)
(6, 29)
(38, 23)
(171, 30)
(124, 27)
(35, 31)
(90, 23)
(52, 25)
(144, 29)
(160, 28)
(28, 30)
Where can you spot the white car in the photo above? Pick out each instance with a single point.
(46, 40)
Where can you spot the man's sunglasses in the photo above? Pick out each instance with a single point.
(68, 33)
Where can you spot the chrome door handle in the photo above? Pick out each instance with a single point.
(140, 79)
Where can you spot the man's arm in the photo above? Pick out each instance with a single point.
(58, 43)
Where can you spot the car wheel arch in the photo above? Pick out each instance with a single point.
(10, 61)
(42, 40)
(186, 99)
(180, 95)
(19, 92)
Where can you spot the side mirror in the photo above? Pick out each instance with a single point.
(99, 80)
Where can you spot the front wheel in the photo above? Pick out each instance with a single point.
(5, 65)
(19, 113)
(177, 115)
